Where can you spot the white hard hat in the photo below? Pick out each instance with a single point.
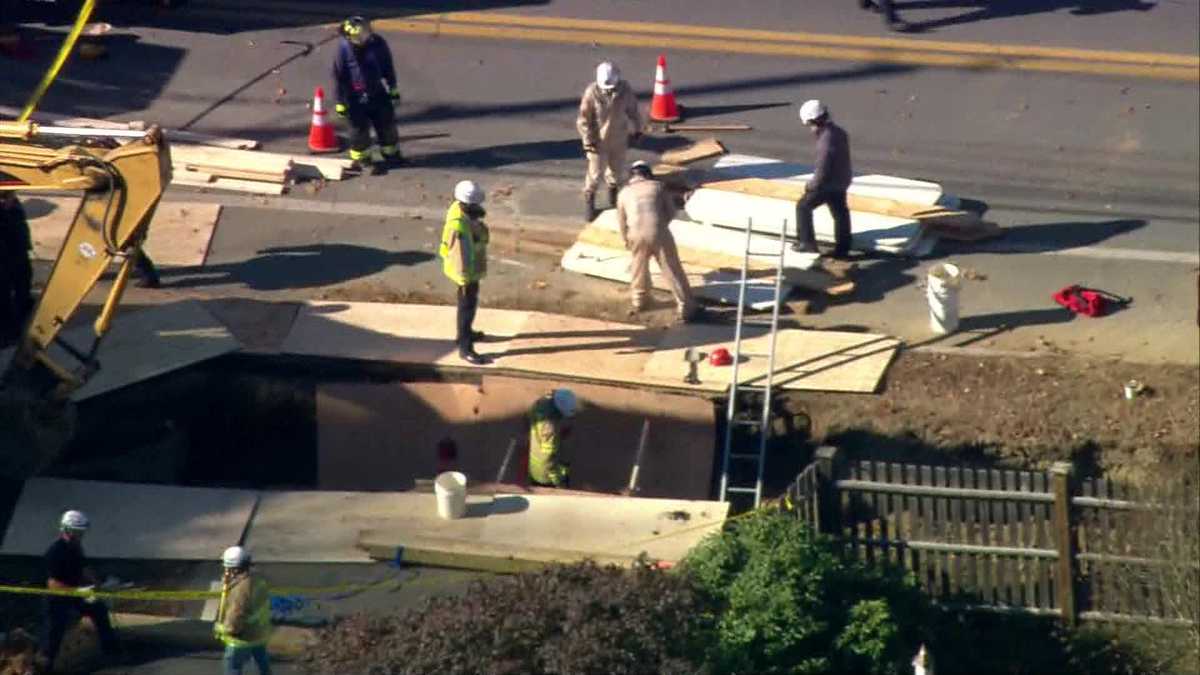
(565, 401)
(75, 520)
(607, 75)
(812, 109)
(235, 557)
(468, 192)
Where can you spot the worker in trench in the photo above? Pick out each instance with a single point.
(366, 90)
(67, 570)
(243, 621)
(463, 250)
(608, 123)
(549, 423)
(16, 271)
(644, 213)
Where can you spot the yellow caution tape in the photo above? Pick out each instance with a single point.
(85, 13)
(164, 596)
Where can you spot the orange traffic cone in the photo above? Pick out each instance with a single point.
(320, 135)
(662, 106)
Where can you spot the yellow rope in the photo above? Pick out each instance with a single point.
(85, 13)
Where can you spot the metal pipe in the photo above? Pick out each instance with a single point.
(88, 133)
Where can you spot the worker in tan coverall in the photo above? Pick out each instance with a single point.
(608, 121)
(644, 213)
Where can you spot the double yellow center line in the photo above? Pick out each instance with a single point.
(916, 52)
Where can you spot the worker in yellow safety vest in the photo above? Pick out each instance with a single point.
(463, 251)
(244, 617)
(549, 420)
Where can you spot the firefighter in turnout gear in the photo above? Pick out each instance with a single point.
(243, 622)
(549, 420)
(365, 85)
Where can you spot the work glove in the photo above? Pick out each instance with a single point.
(395, 95)
(340, 109)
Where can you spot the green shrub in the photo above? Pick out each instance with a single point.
(787, 602)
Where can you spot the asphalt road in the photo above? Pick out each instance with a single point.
(1090, 160)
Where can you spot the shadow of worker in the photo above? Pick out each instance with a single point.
(288, 267)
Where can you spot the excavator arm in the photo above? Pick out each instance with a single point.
(121, 188)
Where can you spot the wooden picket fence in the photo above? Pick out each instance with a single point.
(999, 539)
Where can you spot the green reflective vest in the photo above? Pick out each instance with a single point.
(244, 615)
(463, 248)
(544, 466)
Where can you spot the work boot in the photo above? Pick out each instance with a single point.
(797, 247)
(612, 197)
(589, 207)
(478, 336)
(475, 358)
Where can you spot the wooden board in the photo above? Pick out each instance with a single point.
(179, 236)
(869, 231)
(148, 343)
(324, 526)
(210, 182)
(709, 147)
(907, 190)
(224, 172)
(175, 135)
(804, 359)
(201, 155)
(714, 285)
(554, 344)
(386, 332)
(130, 520)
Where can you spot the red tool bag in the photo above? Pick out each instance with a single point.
(1089, 301)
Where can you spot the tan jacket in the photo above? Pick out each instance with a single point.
(644, 211)
(608, 120)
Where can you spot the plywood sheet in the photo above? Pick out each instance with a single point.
(804, 359)
(869, 231)
(554, 344)
(179, 236)
(384, 436)
(324, 526)
(131, 520)
(386, 332)
(709, 147)
(721, 287)
(666, 529)
(866, 185)
(149, 343)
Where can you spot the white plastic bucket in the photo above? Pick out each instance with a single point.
(450, 488)
(941, 288)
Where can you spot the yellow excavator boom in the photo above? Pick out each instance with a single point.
(121, 186)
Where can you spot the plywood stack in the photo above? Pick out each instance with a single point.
(221, 163)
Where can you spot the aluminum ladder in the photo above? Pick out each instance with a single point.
(734, 415)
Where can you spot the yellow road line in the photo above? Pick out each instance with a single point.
(968, 61)
(973, 48)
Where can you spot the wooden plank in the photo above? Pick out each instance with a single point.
(867, 471)
(886, 515)
(199, 180)
(929, 527)
(1027, 539)
(914, 529)
(201, 155)
(990, 573)
(1042, 539)
(225, 172)
(953, 221)
(1087, 544)
(970, 533)
(1111, 602)
(941, 530)
(709, 147)
(176, 135)
(957, 526)
(1013, 538)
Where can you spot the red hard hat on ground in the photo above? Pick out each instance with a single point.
(720, 357)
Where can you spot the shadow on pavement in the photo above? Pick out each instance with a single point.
(1047, 237)
(984, 10)
(286, 267)
(131, 77)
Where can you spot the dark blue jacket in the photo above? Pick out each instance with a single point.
(374, 61)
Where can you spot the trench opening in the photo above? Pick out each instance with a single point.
(298, 423)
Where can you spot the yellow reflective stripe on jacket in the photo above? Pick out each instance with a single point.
(456, 233)
(544, 466)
